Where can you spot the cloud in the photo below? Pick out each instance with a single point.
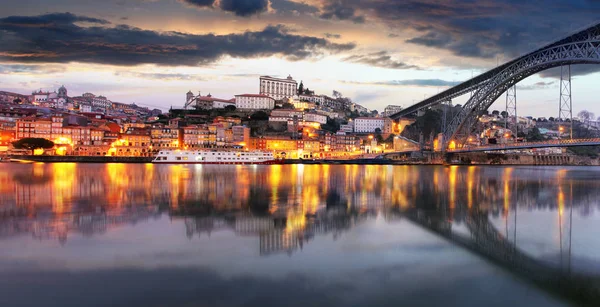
(331, 35)
(537, 86)
(293, 7)
(162, 76)
(29, 69)
(199, 3)
(56, 38)
(411, 82)
(475, 29)
(379, 59)
(340, 10)
(392, 35)
(576, 70)
(244, 7)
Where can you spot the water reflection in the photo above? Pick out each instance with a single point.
(546, 215)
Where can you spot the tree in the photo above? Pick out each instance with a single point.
(586, 116)
(230, 108)
(337, 94)
(301, 88)
(259, 115)
(551, 119)
(17, 100)
(504, 114)
(287, 105)
(33, 144)
(534, 135)
(496, 112)
(378, 130)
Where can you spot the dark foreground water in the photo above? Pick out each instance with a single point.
(294, 235)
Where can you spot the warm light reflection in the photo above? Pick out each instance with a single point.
(452, 187)
(285, 201)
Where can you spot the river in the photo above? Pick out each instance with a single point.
(295, 235)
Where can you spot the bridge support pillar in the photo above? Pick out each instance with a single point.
(565, 105)
(511, 110)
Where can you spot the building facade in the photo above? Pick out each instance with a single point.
(276, 88)
(254, 102)
(370, 124)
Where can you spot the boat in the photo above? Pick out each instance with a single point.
(214, 157)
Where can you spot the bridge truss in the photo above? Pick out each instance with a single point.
(583, 47)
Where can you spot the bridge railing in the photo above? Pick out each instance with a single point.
(554, 143)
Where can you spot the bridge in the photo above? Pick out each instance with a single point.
(527, 145)
(581, 47)
(486, 241)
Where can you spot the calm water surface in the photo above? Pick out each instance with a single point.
(291, 235)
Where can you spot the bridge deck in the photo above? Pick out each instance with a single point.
(529, 145)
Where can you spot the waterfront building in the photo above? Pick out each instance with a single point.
(276, 88)
(254, 102)
(241, 135)
(196, 136)
(165, 137)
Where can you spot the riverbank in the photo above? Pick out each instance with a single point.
(463, 159)
(80, 159)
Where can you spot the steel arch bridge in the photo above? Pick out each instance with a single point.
(582, 47)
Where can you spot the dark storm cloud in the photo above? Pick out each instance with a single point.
(341, 10)
(57, 38)
(379, 59)
(244, 7)
(199, 3)
(478, 29)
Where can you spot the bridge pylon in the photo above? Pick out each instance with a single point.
(511, 110)
(565, 104)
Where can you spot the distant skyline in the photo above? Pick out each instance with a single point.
(377, 52)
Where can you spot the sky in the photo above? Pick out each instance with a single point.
(376, 52)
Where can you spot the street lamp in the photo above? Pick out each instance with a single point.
(560, 131)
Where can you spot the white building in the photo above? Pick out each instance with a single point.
(320, 99)
(285, 115)
(370, 124)
(97, 101)
(277, 88)
(303, 105)
(52, 99)
(391, 110)
(254, 102)
(220, 104)
(349, 128)
(314, 117)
